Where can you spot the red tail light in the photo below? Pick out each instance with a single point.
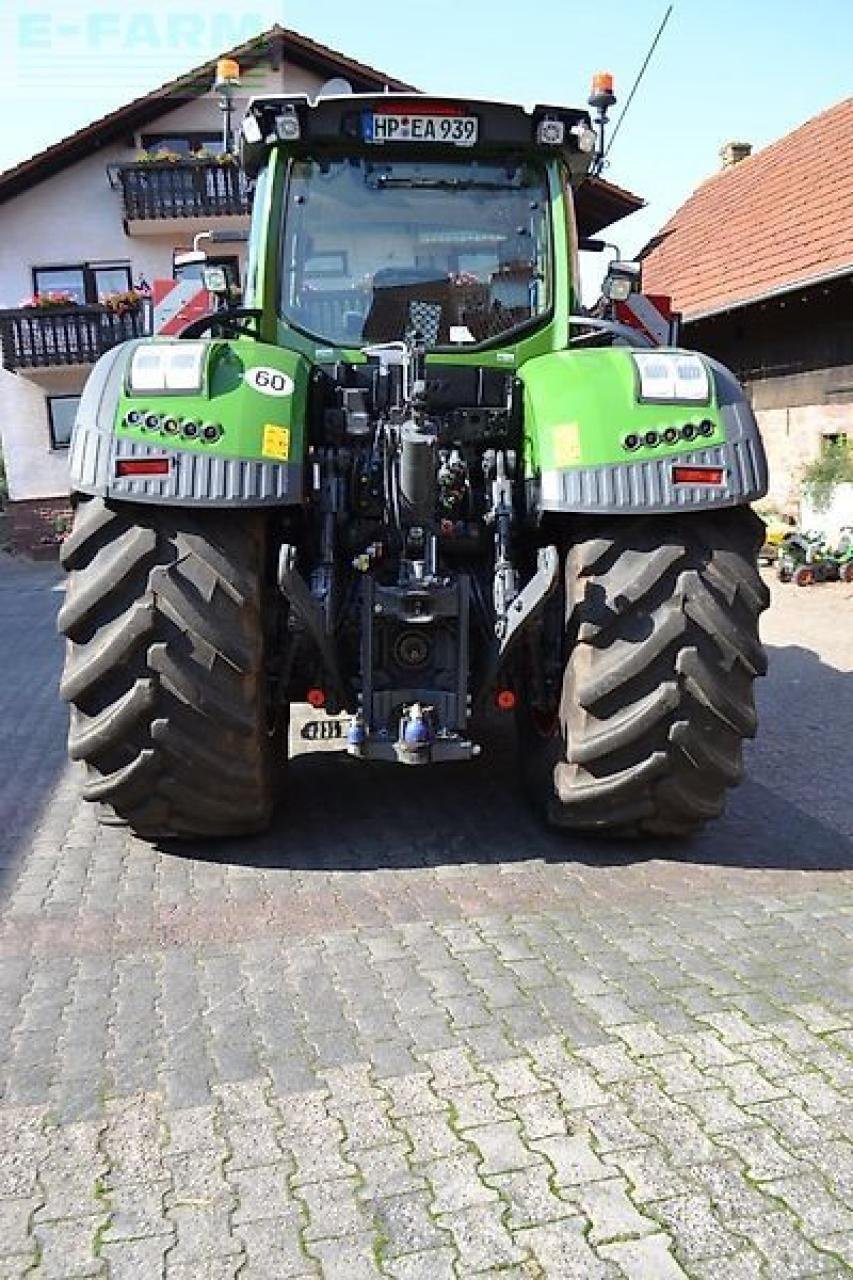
(505, 699)
(316, 697)
(698, 475)
(142, 466)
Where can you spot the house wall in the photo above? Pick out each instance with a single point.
(75, 216)
(794, 354)
(793, 437)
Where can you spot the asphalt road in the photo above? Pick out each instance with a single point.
(411, 1033)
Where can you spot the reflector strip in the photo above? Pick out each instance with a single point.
(142, 466)
(698, 475)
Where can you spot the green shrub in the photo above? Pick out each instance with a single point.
(833, 467)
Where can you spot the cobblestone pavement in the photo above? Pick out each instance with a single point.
(412, 1034)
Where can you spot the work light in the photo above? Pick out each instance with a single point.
(672, 375)
(167, 366)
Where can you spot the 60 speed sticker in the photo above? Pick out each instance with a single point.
(269, 382)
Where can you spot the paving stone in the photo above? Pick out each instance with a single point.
(651, 1174)
(431, 1138)
(530, 1196)
(203, 1234)
(262, 1193)
(135, 1259)
(643, 1039)
(15, 1226)
(332, 1209)
(817, 1096)
(573, 1159)
(834, 1159)
(785, 1249)
(746, 1083)
(211, 1269)
(412, 1096)
(561, 1249)
(456, 1184)
(839, 1248)
(273, 1248)
(716, 1111)
(731, 1193)
(501, 1148)
(790, 1118)
(610, 1128)
(746, 1265)
(137, 1210)
(612, 1214)
(433, 1264)
(818, 1211)
(349, 1258)
(732, 1027)
(405, 1224)
(762, 1154)
(695, 1228)
(71, 1173)
(707, 1049)
(67, 1247)
(252, 1145)
(514, 1079)
(645, 1259)
(385, 1171)
(540, 1114)
(481, 1239)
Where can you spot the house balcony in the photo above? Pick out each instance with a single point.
(48, 338)
(163, 196)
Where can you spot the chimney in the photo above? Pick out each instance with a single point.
(731, 153)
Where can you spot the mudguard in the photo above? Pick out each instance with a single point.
(252, 400)
(592, 445)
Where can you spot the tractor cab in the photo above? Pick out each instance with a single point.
(398, 216)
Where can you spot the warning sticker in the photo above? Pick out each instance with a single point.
(567, 444)
(276, 442)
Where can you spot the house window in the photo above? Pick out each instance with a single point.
(183, 144)
(833, 440)
(61, 412)
(86, 282)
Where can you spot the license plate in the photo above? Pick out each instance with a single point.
(387, 126)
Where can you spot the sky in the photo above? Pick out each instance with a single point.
(750, 70)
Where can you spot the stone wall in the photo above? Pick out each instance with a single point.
(793, 438)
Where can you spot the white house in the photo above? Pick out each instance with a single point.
(88, 219)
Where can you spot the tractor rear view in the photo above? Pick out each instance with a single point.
(404, 480)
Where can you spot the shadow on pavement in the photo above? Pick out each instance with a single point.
(343, 814)
(34, 721)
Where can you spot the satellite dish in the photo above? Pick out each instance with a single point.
(337, 87)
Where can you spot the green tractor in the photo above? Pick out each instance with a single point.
(407, 480)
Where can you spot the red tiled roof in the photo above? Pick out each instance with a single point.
(780, 218)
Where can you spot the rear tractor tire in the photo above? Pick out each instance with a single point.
(165, 668)
(663, 648)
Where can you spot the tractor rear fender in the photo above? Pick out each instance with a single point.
(236, 440)
(592, 444)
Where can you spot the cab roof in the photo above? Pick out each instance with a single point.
(346, 121)
(338, 122)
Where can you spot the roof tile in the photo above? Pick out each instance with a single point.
(781, 216)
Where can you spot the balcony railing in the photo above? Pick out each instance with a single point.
(194, 189)
(41, 338)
